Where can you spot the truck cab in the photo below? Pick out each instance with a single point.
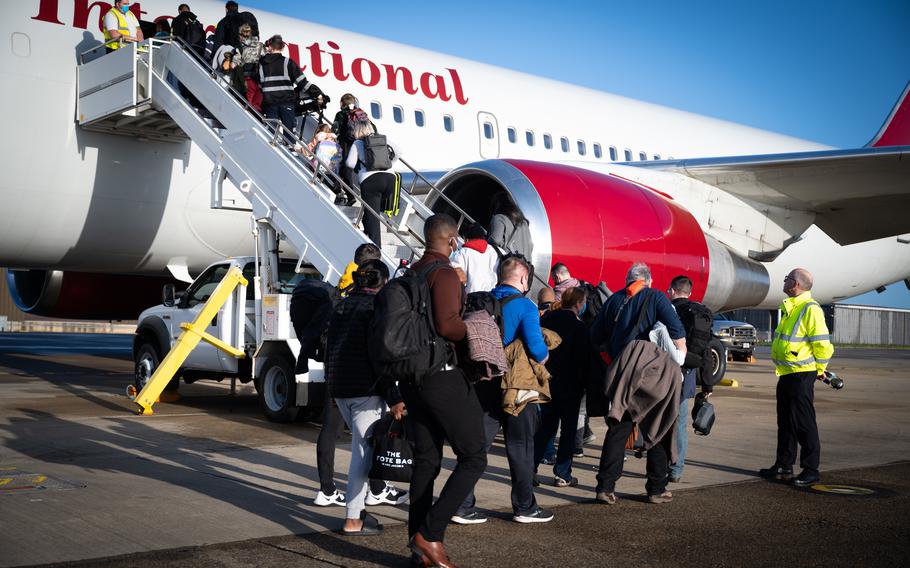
(265, 335)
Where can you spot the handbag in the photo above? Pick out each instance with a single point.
(393, 452)
(702, 416)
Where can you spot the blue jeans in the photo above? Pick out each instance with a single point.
(682, 439)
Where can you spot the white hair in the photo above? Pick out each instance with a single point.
(638, 271)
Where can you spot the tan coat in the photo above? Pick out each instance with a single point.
(527, 380)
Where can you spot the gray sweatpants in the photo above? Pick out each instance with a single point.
(361, 414)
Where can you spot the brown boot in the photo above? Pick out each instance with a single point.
(432, 553)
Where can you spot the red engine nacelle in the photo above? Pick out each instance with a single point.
(598, 225)
(83, 295)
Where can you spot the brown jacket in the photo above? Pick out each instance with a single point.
(527, 380)
(645, 382)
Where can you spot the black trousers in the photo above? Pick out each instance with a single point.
(372, 191)
(614, 450)
(561, 411)
(796, 421)
(518, 432)
(443, 408)
(332, 426)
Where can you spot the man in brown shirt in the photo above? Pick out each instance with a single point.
(443, 407)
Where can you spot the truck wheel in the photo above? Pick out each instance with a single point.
(147, 360)
(718, 354)
(278, 388)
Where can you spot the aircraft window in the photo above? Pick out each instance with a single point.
(206, 284)
(376, 110)
(488, 130)
(564, 144)
(598, 152)
(449, 123)
(418, 118)
(628, 154)
(529, 137)
(642, 156)
(547, 141)
(612, 153)
(512, 136)
(656, 156)
(581, 148)
(398, 114)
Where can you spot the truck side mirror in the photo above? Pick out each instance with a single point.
(169, 295)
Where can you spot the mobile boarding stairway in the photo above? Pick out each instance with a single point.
(131, 92)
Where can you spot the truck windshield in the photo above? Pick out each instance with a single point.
(286, 273)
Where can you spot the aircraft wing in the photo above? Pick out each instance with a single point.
(856, 195)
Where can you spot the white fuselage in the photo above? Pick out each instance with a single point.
(87, 201)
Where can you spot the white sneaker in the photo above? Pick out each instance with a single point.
(323, 500)
(391, 495)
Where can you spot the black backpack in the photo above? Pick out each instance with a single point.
(378, 155)
(311, 308)
(597, 295)
(696, 319)
(485, 301)
(702, 416)
(404, 345)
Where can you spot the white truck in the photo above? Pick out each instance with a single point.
(264, 332)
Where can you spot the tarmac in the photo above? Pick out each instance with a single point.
(207, 481)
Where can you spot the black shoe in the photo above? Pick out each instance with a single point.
(674, 479)
(473, 518)
(805, 479)
(779, 472)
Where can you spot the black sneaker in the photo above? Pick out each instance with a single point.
(474, 518)
(538, 516)
(779, 472)
(805, 479)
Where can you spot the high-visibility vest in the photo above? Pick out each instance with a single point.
(123, 26)
(801, 341)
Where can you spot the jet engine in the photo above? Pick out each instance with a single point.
(83, 295)
(598, 225)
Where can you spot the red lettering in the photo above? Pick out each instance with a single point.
(407, 79)
(456, 81)
(316, 60)
(357, 72)
(47, 12)
(294, 54)
(426, 85)
(82, 10)
(337, 63)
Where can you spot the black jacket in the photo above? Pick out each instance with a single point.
(281, 79)
(572, 361)
(311, 307)
(228, 29)
(348, 370)
(341, 130)
(180, 27)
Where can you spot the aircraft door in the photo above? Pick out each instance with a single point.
(488, 129)
(205, 356)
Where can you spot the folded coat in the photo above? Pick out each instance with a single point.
(526, 380)
(645, 383)
(485, 345)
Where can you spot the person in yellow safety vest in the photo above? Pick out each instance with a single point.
(800, 351)
(365, 252)
(119, 22)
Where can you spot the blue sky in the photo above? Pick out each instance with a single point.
(828, 71)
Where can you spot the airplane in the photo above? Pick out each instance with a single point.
(94, 222)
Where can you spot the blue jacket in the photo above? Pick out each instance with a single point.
(520, 319)
(615, 336)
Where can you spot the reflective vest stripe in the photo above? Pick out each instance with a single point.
(807, 339)
(799, 363)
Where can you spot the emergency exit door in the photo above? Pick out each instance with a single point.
(489, 135)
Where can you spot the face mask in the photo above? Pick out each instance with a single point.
(350, 107)
(125, 8)
(582, 310)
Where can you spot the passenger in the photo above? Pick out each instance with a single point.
(445, 407)
(800, 351)
(361, 396)
(545, 299)
(364, 252)
(120, 23)
(562, 279)
(226, 69)
(188, 28)
(374, 184)
(509, 229)
(520, 320)
(627, 316)
(696, 319)
(596, 295)
(569, 365)
(227, 32)
(251, 51)
(477, 259)
(162, 29)
(341, 126)
(281, 80)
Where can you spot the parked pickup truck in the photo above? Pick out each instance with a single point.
(265, 334)
(737, 336)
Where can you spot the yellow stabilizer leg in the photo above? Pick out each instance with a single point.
(192, 334)
(732, 383)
